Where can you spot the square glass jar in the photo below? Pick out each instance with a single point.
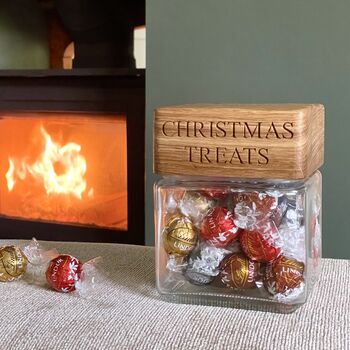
(253, 244)
(238, 207)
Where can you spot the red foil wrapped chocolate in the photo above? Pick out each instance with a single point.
(63, 273)
(283, 275)
(218, 227)
(261, 246)
(257, 205)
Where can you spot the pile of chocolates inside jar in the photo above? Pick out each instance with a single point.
(236, 239)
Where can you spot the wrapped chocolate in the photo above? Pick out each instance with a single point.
(284, 278)
(239, 272)
(264, 244)
(67, 274)
(206, 259)
(218, 227)
(29, 261)
(63, 272)
(179, 235)
(252, 207)
(13, 263)
(204, 262)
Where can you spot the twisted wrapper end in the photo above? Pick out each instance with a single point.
(38, 261)
(88, 280)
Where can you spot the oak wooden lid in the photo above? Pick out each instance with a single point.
(277, 141)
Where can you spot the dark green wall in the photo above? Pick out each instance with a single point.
(258, 51)
(23, 37)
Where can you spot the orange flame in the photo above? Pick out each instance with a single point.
(69, 181)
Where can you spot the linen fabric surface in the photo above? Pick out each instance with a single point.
(126, 312)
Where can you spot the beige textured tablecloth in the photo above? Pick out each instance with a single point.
(127, 312)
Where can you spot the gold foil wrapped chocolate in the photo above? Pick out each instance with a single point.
(238, 272)
(13, 263)
(179, 235)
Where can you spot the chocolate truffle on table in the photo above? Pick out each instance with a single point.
(283, 276)
(218, 227)
(239, 272)
(13, 263)
(262, 245)
(179, 235)
(63, 273)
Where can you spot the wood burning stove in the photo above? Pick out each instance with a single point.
(72, 155)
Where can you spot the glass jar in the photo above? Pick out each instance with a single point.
(251, 243)
(241, 243)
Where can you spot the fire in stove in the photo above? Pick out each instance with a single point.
(60, 169)
(64, 168)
